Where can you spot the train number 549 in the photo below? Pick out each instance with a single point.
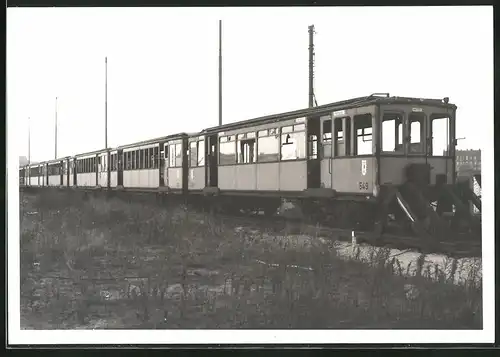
(363, 186)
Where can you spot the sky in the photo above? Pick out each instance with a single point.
(163, 67)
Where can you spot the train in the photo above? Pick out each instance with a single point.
(372, 163)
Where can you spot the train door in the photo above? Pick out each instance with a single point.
(313, 160)
(211, 151)
(161, 163)
(325, 153)
(103, 170)
(108, 169)
(185, 164)
(61, 173)
(165, 162)
(75, 172)
(120, 168)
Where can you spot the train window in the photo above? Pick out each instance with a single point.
(327, 138)
(156, 149)
(150, 159)
(250, 135)
(268, 149)
(287, 129)
(416, 121)
(241, 136)
(178, 156)
(227, 152)
(293, 146)
(363, 132)
(201, 153)
(193, 154)
(440, 134)
(246, 151)
(299, 127)
(392, 132)
(263, 133)
(112, 162)
(171, 155)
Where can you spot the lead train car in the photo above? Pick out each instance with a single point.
(351, 151)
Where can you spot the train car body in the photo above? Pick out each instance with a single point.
(155, 165)
(55, 173)
(85, 174)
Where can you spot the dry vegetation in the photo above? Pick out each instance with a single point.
(103, 263)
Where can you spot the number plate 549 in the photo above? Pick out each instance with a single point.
(363, 186)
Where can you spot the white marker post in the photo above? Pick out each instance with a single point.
(354, 242)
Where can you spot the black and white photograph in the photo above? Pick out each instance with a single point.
(239, 175)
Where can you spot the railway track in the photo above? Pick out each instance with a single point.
(281, 224)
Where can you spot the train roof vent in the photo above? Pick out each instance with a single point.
(386, 95)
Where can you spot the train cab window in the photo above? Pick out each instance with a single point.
(440, 134)
(416, 122)
(293, 146)
(201, 153)
(193, 154)
(268, 146)
(363, 134)
(227, 150)
(246, 151)
(392, 133)
(178, 155)
(327, 138)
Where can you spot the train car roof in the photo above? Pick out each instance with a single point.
(153, 141)
(95, 152)
(326, 108)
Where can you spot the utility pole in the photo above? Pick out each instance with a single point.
(311, 66)
(55, 136)
(106, 103)
(220, 72)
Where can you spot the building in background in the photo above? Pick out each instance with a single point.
(468, 160)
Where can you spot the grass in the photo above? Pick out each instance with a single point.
(106, 263)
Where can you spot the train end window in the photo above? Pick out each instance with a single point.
(416, 132)
(392, 133)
